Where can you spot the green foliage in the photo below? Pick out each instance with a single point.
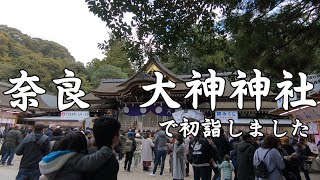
(46, 59)
(116, 63)
(276, 35)
(116, 56)
(105, 71)
(271, 35)
(166, 22)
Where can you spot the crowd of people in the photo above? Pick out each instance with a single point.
(55, 153)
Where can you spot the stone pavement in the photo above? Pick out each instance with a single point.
(10, 172)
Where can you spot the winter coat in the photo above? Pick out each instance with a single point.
(178, 161)
(227, 168)
(13, 138)
(33, 148)
(288, 148)
(134, 145)
(123, 142)
(67, 165)
(273, 161)
(303, 153)
(245, 153)
(161, 141)
(215, 153)
(146, 153)
(53, 142)
(200, 152)
(223, 147)
(109, 170)
(138, 145)
(186, 145)
(234, 158)
(49, 133)
(316, 162)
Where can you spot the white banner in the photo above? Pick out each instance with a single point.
(188, 113)
(75, 114)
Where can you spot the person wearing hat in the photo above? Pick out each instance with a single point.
(137, 152)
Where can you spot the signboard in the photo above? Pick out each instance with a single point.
(75, 114)
(315, 80)
(61, 123)
(226, 115)
(7, 118)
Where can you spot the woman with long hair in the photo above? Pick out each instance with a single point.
(178, 159)
(269, 154)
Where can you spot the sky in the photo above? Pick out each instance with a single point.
(67, 22)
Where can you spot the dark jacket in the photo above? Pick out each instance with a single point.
(49, 133)
(33, 148)
(71, 165)
(288, 148)
(303, 153)
(13, 138)
(215, 154)
(109, 170)
(161, 141)
(223, 147)
(134, 144)
(245, 153)
(234, 159)
(201, 152)
(55, 142)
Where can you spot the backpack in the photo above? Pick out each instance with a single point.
(128, 145)
(261, 170)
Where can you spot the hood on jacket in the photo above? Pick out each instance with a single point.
(243, 146)
(161, 134)
(54, 161)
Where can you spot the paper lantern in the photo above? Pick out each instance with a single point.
(125, 109)
(143, 110)
(159, 109)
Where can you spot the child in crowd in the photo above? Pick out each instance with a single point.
(227, 168)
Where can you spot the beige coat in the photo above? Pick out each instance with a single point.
(146, 154)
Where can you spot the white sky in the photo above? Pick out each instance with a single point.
(67, 22)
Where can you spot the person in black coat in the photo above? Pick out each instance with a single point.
(32, 148)
(223, 146)
(106, 132)
(245, 153)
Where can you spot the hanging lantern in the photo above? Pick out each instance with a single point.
(143, 110)
(125, 109)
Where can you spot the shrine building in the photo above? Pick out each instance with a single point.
(123, 97)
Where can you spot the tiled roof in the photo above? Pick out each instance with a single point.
(117, 87)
